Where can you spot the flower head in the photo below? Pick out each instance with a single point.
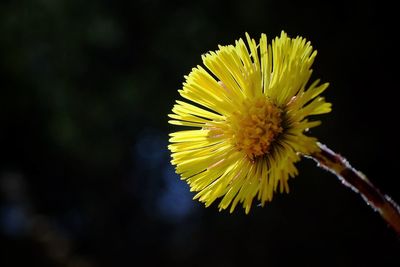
(247, 114)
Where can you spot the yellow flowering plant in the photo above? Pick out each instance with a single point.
(247, 114)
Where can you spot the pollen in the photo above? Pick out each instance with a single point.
(255, 126)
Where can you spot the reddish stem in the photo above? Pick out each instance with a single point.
(359, 183)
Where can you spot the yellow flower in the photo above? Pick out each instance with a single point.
(247, 119)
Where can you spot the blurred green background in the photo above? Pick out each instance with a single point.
(85, 178)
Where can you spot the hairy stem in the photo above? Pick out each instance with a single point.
(359, 183)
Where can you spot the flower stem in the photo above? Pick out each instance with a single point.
(359, 183)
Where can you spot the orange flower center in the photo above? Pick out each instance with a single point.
(255, 126)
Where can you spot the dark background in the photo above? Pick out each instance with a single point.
(85, 178)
